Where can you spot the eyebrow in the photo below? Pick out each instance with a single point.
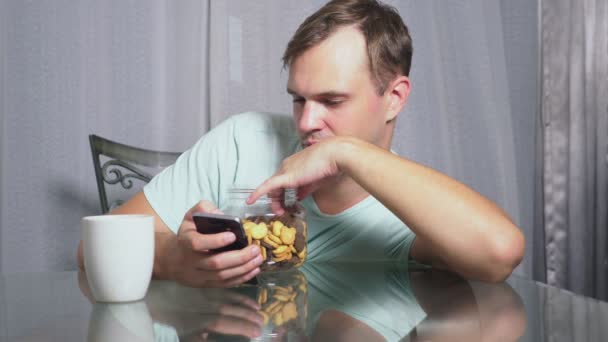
(330, 93)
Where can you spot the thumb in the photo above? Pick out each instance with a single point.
(202, 206)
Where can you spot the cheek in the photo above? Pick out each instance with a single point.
(373, 115)
(357, 119)
(375, 125)
(374, 110)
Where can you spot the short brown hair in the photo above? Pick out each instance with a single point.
(389, 45)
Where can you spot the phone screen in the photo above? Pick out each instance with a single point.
(215, 223)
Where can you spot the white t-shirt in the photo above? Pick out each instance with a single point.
(248, 148)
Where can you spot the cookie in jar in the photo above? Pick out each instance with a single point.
(281, 238)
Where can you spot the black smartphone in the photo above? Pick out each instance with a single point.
(219, 337)
(216, 223)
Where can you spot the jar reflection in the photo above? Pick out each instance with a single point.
(283, 300)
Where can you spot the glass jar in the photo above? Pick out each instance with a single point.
(282, 239)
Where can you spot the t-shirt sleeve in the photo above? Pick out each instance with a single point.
(200, 173)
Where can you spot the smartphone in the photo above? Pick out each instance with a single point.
(216, 223)
(219, 337)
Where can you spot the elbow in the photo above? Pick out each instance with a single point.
(506, 253)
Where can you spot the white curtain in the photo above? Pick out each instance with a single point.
(132, 71)
(160, 73)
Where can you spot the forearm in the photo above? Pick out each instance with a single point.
(469, 232)
(165, 243)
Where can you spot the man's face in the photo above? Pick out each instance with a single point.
(333, 92)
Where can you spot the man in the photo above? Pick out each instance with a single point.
(348, 76)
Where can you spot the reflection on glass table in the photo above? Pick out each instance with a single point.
(341, 302)
(318, 302)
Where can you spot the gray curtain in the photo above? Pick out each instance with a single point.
(575, 129)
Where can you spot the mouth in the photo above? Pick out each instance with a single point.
(309, 142)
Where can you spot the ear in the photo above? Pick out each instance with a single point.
(396, 95)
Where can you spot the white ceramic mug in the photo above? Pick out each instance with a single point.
(118, 256)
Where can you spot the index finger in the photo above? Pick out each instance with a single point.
(237, 298)
(271, 184)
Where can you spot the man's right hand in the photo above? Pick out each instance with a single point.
(190, 260)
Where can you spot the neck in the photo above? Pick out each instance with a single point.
(337, 195)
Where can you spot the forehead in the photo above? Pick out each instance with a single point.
(338, 63)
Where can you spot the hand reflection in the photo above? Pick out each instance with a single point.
(202, 314)
(195, 314)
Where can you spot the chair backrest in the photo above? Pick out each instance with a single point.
(118, 166)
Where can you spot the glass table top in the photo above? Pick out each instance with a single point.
(318, 302)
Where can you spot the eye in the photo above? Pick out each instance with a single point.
(298, 100)
(331, 102)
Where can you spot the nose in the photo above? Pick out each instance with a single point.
(311, 117)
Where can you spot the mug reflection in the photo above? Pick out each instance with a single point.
(120, 322)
